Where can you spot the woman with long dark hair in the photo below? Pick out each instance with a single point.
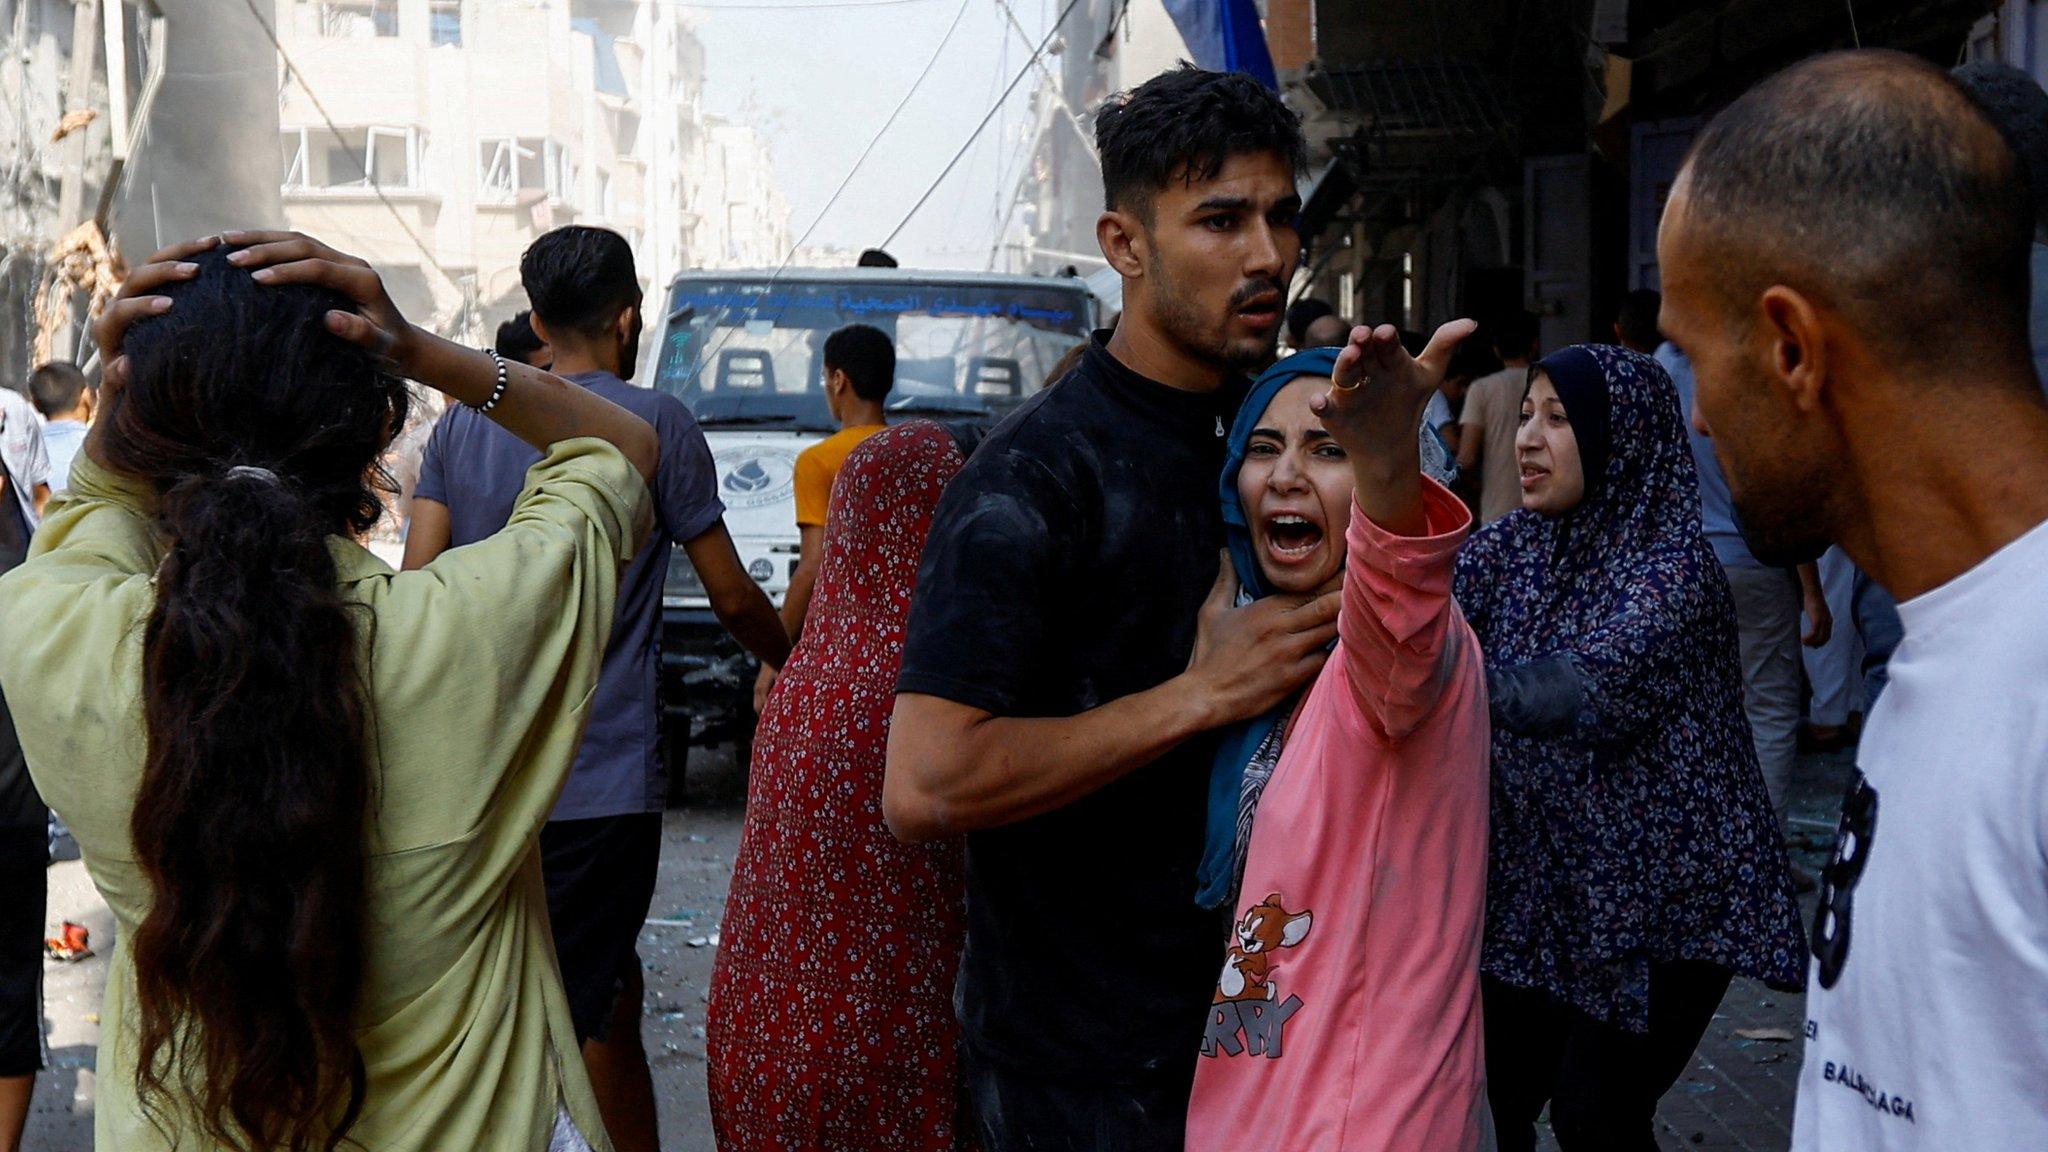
(1636, 865)
(309, 787)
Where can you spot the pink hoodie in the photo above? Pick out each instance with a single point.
(1347, 1012)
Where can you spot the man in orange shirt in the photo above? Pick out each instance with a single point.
(860, 369)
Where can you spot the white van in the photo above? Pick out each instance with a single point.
(743, 350)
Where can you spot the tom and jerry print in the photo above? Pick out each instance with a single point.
(1250, 1014)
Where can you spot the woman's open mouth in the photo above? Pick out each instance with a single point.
(1291, 539)
(1533, 475)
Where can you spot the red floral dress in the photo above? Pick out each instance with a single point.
(831, 1022)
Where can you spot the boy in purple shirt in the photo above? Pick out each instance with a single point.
(602, 843)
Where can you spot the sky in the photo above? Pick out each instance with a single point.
(820, 82)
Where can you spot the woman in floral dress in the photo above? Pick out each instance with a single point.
(831, 1022)
(1636, 863)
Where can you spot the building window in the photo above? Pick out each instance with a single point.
(506, 168)
(293, 145)
(358, 19)
(444, 23)
(387, 158)
(561, 172)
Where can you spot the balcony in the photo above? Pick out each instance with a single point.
(1414, 117)
(367, 163)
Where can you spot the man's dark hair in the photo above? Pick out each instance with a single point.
(867, 356)
(2018, 107)
(875, 258)
(1872, 181)
(1182, 125)
(1637, 319)
(580, 278)
(1515, 333)
(1326, 332)
(516, 338)
(1301, 314)
(55, 387)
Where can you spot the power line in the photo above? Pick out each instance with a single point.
(369, 171)
(879, 133)
(804, 6)
(972, 136)
(725, 331)
(1052, 82)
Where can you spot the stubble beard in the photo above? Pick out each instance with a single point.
(1782, 519)
(1180, 317)
(1778, 535)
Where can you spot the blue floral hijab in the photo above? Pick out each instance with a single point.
(1241, 742)
(1642, 831)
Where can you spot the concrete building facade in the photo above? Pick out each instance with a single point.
(1103, 47)
(744, 220)
(438, 138)
(124, 125)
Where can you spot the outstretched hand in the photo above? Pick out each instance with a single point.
(1378, 391)
(1373, 411)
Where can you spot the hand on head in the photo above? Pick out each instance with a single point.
(138, 300)
(294, 258)
(271, 258)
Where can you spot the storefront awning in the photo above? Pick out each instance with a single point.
(1328, 193)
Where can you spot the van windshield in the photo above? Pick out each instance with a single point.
(742, 352)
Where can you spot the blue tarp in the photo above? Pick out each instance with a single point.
(610, 78)
(1225, 36)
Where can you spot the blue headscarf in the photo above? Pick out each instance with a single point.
(1241, 742)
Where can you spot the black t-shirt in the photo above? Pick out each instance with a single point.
(1065, 569)
(23, 837)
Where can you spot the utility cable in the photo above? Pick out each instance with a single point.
(725, 331)
(369, 173)
(879, 133)
(978, 128)
(802, 6)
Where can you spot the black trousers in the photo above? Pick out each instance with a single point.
(24, 854)
(1012, 1110)
(600, 879)
(1602, 1082)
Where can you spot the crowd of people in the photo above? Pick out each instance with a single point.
(1362, 748)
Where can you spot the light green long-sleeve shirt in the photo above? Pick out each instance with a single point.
(480, 672)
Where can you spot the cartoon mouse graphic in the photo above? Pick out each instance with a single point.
(1266, 928)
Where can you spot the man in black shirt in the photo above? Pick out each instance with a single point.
(1057, 694)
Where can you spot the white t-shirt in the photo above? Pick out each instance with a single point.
(21, 447)
(1927, 999)
(1438, 413)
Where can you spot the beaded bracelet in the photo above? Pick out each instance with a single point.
(498, 392)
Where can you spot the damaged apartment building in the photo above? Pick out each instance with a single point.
(124, 125)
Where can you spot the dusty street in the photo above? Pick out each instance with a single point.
(1736, 1096)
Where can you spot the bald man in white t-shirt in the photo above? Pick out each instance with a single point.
(1797, 263)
